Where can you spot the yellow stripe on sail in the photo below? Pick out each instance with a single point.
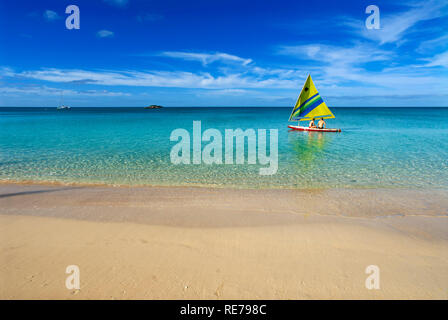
(321, 111)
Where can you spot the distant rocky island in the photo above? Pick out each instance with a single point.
(153, 106)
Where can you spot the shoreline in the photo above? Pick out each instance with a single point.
(204, 186)
(373, 202)
(208, 243)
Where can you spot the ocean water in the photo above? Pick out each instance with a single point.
(378, 147)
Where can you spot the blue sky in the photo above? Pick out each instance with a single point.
(222, 53)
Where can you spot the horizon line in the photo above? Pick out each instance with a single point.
(142, 107)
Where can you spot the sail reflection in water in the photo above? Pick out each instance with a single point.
(309, 148)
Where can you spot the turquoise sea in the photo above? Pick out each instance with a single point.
(378, 147)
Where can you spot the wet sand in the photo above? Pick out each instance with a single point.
(205, 243)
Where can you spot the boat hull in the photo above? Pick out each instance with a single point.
(299, 128)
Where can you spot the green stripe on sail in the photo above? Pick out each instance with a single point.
(310, 98)
(305, 105)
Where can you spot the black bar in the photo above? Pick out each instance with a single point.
(228, 309)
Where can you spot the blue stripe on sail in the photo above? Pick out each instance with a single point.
(314, 105)
(308, 99)
(298, 108)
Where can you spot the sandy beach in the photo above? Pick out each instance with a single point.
(205, 243)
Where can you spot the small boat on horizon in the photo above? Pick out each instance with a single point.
(310, 106)
(153, 106)
(61, 105)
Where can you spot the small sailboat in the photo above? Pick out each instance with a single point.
(154, 106)
(61, 106)
(309, 106)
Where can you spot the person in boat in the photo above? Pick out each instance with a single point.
(321, 124)
(312, 124)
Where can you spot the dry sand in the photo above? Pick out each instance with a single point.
(201, 243)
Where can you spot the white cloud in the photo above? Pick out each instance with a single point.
(335, 54)
(433, 44)
(341, 71)
(226, 92)
(51, 15)
(176, 79)
(337, 70)
(331, 79)
(49, 91)
(394, 26)
(105, 34)
(206, 58)
(439, 60)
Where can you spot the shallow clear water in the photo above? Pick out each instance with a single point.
(378, 147)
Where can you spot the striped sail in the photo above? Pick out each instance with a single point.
(310, 104)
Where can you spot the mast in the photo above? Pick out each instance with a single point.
(297, 101)
(60, 99)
